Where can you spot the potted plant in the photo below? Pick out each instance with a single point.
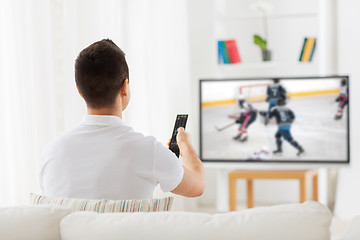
(263, 8)
(261, 42)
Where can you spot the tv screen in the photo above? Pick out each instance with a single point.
(292, 119)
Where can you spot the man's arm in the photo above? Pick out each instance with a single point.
(193, 182)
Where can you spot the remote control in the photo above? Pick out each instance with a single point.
(180, 122)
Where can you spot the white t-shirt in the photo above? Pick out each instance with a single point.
(102, 158)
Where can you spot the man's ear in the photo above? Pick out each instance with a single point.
(79, 91)
(125, 88)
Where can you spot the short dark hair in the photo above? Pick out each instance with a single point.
(276, 80)
(100, 71)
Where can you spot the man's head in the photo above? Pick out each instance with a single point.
(101, 74)
(276, 80)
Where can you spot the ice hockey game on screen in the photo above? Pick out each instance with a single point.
(275, 119)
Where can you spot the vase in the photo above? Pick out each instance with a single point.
(266, 55)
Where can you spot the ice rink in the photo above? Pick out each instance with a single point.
(322, 137)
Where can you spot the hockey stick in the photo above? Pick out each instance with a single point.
(225, 127)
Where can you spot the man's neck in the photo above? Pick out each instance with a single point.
(105, 111)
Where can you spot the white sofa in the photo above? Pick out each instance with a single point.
(306, 221)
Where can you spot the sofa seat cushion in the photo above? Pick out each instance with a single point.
(104, 205)
(353, 232)
(31, 222)
(310, 221)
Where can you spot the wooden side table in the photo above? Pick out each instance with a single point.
(250, 175)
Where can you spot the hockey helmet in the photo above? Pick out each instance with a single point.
(241, 100)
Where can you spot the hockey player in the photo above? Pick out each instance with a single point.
(284, 118)
(247, 116)
(274, 92)
(342, 99)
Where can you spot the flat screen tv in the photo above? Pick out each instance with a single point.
(275, 119)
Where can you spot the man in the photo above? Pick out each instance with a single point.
(284, 118)
(342, 99)
(274, 92)
(102, 158)
(247, 116)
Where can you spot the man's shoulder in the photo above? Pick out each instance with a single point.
(126, 133)
(115, 135)
(92, 139)
(58, 141)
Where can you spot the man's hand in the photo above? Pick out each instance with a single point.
(193, 182)
(183, 140)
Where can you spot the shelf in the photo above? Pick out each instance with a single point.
(267, 68)
(233, 19)
(268, 64)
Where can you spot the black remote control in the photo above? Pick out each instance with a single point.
(180, 122)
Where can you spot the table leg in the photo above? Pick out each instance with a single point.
(250, 193)
(232, 193)
(303, 196)
(315, 187)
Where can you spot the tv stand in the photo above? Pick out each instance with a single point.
(250, 175)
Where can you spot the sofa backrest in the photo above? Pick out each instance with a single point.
(310, 221)
(31, 222)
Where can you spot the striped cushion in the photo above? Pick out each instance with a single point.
(102, 205)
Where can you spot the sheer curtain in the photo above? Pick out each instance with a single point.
(39, 41)
(27, 104)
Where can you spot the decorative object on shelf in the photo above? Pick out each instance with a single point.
(263, 8)
(228, 52)
(308, 49)
(266, 53)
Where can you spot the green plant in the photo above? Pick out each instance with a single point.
(260, 42)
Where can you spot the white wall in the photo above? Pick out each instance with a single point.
(348, 193)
